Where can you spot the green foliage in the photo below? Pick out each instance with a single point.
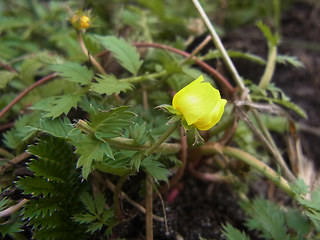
(54, 187)
(232, 233)
(215, 54)
(274, 222)
(91, 149)
(272, 38)
(110, 123)
(74, 72)
(155, 168)
(109, 85)
(55, 106)
(268, 218)
(5, 77)
(289, 59)
(58, 127)
(18, 136)
(126, 55)
(274, 94)
(96, 216)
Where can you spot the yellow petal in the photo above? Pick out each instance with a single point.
(213, 117)
(196, 100)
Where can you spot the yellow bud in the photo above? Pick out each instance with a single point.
(200, 104)
(80, 22)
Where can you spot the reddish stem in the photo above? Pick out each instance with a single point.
(8, 67)
(6, 126)
(25, 92)
(228, 89)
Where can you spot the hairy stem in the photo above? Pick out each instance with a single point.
(251, 161)
(270, 67)
(144, 77)
(129, 144)
(86, 52)
(117, 192)
(26, 91)
(163, 137)
(217, 42)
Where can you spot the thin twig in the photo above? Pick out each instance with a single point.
(23, 156)
(112, 187)
(197, 49)
(227, 88)
(86, 52)
(262, 138)
(8, 67)
(11, 210)
(219, 46)
(149, 208)
(25, 92)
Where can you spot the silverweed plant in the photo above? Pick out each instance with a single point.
(101, 119)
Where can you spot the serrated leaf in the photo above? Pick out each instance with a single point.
(55, 106)
(41, 207)
(37, 186)
(74, 72)
(155, 168)
(300, 187)
(266, 217)
(29, 69)
(126, 54)
(110, 123)
(91, 149)
(294, 61)
(59, 127)
(10, 227)
(99, 202)
(5, 77)
(214, 54)
(272, 38)
(284, 103)
(88, 202)
(109, 85)
(298, 222)
(232, 233)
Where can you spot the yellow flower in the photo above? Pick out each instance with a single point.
(200, 104)
(80, 22)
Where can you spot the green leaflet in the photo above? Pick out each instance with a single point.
(96, 216)
(5, 77)
(126, 55)
(57, 185)
(91, 149)
(155, 168)
(109, 85)
(59, 127)
(266, 217)
(57, 105)
(232, 233)
(110, 123)
(74, 72)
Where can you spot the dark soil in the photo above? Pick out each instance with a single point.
(201, 207)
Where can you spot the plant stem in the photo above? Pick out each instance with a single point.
(252, 161)
(86, 52)
(227, 88)
(144, 77)
(117, 192)
(149, 207)
(163, 137)
(129, 144)
(25, 92)
(219, 46)
(270, 67)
